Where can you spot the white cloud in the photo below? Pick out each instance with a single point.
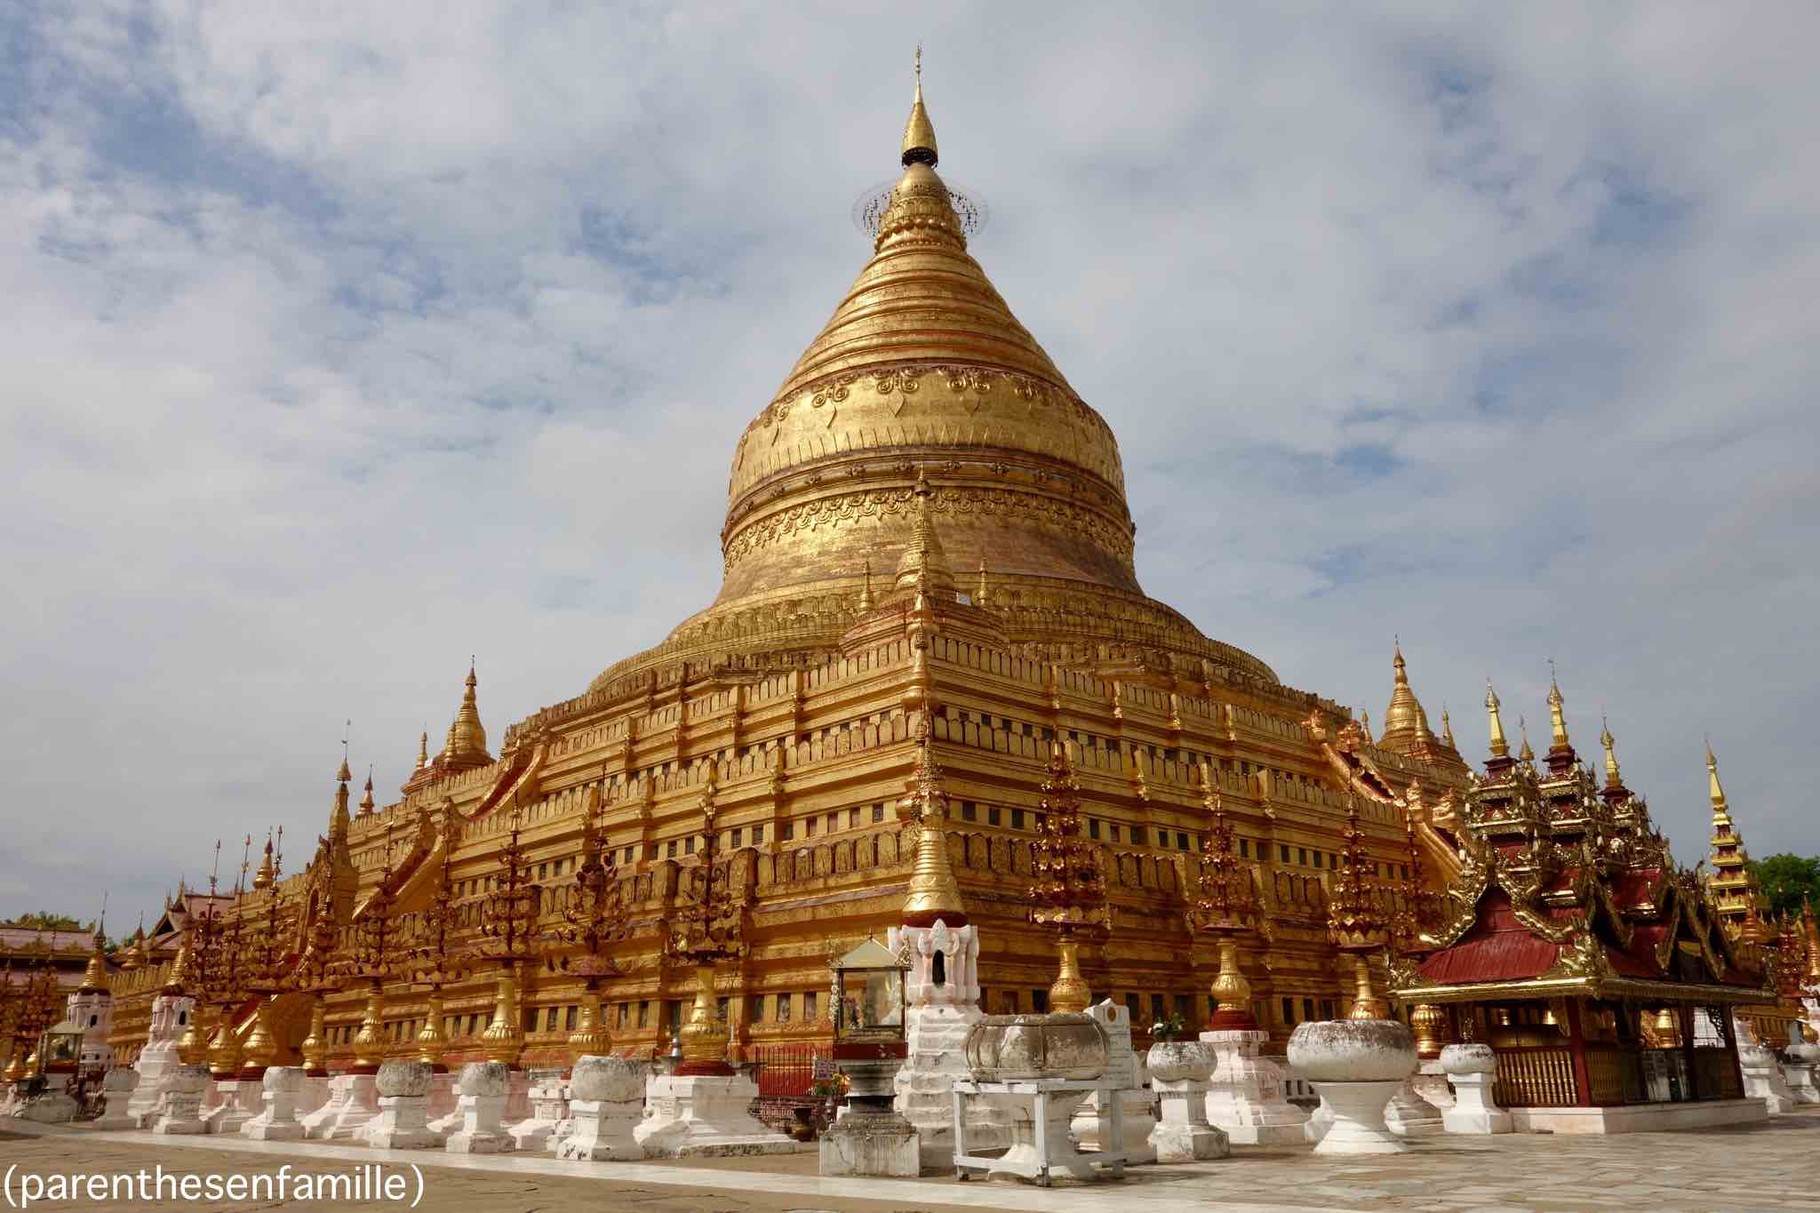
(344, 343)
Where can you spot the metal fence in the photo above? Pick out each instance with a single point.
(788, 1071)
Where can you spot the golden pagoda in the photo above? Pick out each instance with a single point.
(928, 584)
(1733, 888)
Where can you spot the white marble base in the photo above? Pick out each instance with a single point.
(549, 1101)
(1474, 1111)
(277, 1119)
(871, 1145)
(1409, 1115)
(50, 1108)
(117, 1088)
(1800, 1079)
(401, 1124)
(1245, 1093)
(236, 1102)
(1358, 1118)
(353, 1101)
(602, 1131)
(704, 1115)
(180, 1105)
(1763, 1079)
(1640, 1118)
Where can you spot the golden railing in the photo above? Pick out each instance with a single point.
(1535, 1078)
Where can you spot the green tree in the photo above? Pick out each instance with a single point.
(41, 920)
(1785, 879)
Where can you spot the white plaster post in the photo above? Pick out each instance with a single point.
(606, 1101)
(403, 1088)
(1179, 1070)
(180, 1106)
(1472, 1069)
(277, 1119)
(482, 1101)
(1245, 1092)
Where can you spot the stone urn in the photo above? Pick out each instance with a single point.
(1471, 1070)
(1005, 1048)
(608, 1080)
(484, 1079)
(1356, 1065)
(1180, 1061)
(405, 1079)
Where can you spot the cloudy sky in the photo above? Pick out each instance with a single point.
(343, 341)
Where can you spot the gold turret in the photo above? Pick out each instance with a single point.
(1500, 748)
(1613, 777)
(423, 749)
(919, 132)
(924, 570)
(1557, 718)
(933, 892)
(338, 816)
(366, 796)
(1526, 754)
(1733, 888)
(94, 977)
(1447, 729)
(262, 879)
(182, 969)
(466, 746)
(865, 592)
(1405, 723)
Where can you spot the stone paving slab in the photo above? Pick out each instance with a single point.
(1768, 1166)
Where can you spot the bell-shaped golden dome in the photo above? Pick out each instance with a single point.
(1405, 723)
(923, 373)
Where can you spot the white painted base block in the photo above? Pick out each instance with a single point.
(871, 1145)
(481, 1131)
(402, 1124)
(1474, 1111)
(236, 1102)
(1639, 1118)
(50, 1108)
(277, 1119)
(1245, 1093)
(1358, 1118)
(180, 1105)
(1800, 1078)
(1410, 1115)
(603, 1131)
(1188, 1143)
(353, 1101)
(704, 1115)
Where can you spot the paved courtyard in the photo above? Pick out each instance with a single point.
(1771, 1166)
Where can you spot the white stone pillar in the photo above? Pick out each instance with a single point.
(236, 1102)
(277, 1119)
(352, 1103)
(482, 1102)
(549, 1102)
(404, 1088)
(606, 1102)
(1245, 1092)
(170, 1016)
(937, 1017)
(180, 1106)
(1763, 1078)
(1472, 1069)
(1136, 1100)
(1179, 1070)
(117, 1090)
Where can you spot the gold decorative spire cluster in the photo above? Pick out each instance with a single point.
(1500, 748)
(467, 741)
(1069, 892)
(1405, 722)
(1224, 898)
(1355, 922)
(934, 893)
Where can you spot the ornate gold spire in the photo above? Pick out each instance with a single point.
(1613, 777)
(1500, 748)
(933, 892)
(1525, 754)
(94, 977)
(1447, 730)
(1405, 723)
(338, 816)
(1715, 792)
(366, 796)
(423, 749)
(979, 592)
(924, 568)
(182, 969)
(919, 132)
(865, 592)
(1733, 888)
(467, 743)
(262, 879)
(1557, 719)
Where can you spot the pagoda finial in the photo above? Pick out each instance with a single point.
(934, 893)
(1525, 754)
(919, 132)
(1714, 790)
(1405, 723)
(262, 879)
(467, 741)
(1500, 748)
(924, 570)
(1447, 729)
(979, 593)
(338, 816)
(366, 797)
(1612, 778)
(345, 774)
(865, 593)
(1556, 717)
(423, 749)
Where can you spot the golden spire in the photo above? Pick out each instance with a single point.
(924, 569)
(1714, 791)
(366, 796)
(467, 741)
(919, 132)
(1612, 778)
(94, 978)
(1500, 748)
(179, 976)
(423, 749)
(865, 593)
(933, 891)
(338, 816)
(979, 594)
(1556, 718)
(1525, 754)
(262, 879)
(1447, 729)
(1405, 723)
